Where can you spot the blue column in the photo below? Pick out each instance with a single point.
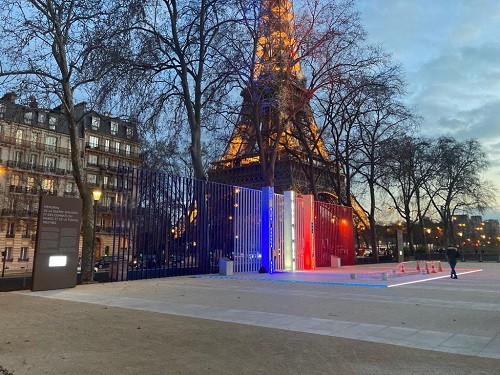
(267, 229)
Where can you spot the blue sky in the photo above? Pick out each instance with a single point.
(450, 51)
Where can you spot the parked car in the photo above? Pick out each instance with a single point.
(146, 261)
(103, 262)
(176, 261)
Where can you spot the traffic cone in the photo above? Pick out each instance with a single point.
(440, 267)
(433, 270)
(418, 266)
(427, 267)
(402, 267)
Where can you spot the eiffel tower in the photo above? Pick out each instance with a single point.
(281, 99)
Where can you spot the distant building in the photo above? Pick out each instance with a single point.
(475, 232)
(35, 160)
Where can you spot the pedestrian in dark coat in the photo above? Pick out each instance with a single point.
(452, 254)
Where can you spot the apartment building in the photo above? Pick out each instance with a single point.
(35, 160)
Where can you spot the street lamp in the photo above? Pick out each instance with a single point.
(96, 194)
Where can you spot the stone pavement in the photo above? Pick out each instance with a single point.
(320, 322)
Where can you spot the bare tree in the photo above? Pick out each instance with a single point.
(384, 118)
(46, 48)
(409, 164)
(170, 63)
(458, 185)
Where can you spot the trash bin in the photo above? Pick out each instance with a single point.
(335, 262)
(225, 266)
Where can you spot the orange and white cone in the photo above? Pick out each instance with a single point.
(402, 267)
(433, 270)
(440, 267)
(418, 266)
(427, 267)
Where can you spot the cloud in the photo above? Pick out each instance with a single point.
(449, 50)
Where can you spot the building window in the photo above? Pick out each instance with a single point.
(106, 145)
(34, 139)
(48, 185)
(28, 117)
(69, 166)
(110, 202)
(92, 178)
(15, 179)
(52, 122)
(93, 142)
(96, 121)
(9, 254)
(24, 255)
(2, 110)
(117, 147)
(18, 157)
(130, 132)
(51, 143)
(10, 230)
(127, 150)
(30, 186)
(114, 128)
(93, 160)
(19, 136)
(70, 187)
(33, 160)
(42, 117)
(27, 228)
(50, 164)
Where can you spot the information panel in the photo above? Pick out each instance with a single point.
(57, 240)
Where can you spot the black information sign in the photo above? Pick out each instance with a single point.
(57, 241)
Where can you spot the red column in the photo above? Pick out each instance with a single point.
(308, 232)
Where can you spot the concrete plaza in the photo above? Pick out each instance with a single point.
(321, 322)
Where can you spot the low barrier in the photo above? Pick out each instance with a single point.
(414, 268)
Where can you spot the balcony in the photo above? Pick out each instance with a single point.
(16, 189)
(35, 168)
(102, 208)
(111, 187)
(7, 212)
(112, 150)
(33, 145)
(19, 212)
(10, 235)
(32, 190)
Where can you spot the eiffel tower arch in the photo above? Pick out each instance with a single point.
(276, 105)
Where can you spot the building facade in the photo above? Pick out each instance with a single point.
(35, 160)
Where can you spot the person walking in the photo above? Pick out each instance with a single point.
(452, 254)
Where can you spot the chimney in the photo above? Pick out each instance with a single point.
(33, 103)
(10, 97)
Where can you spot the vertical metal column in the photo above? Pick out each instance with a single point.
(267, 228)
(289, 230)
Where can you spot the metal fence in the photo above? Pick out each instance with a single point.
(168, 225)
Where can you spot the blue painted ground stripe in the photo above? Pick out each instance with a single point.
(293, 281)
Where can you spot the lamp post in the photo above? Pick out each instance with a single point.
(96, 194)
(498, 248)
